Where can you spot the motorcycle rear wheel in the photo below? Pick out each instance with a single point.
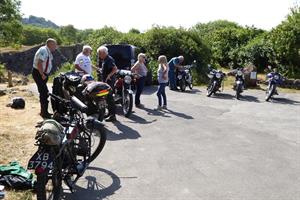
(49, 188)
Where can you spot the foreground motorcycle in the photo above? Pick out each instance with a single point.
(65, 149)
(239, 82)
(94, 94)
(215, 83)
(274, 80)
(123, 90)
(185, 78)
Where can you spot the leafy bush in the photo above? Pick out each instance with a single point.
(35, 35)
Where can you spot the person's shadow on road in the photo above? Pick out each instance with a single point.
(178, 114)
(280, 100)
(125, 133)
(91, 188)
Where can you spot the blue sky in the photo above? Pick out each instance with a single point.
(141, 14)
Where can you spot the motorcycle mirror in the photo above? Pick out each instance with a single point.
(269, 67)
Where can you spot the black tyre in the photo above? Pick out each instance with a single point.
(270, 92)
(238, 92)
(191, 84)
(211, 89)
(49, 188)
(98, 140)
(127, 104)
(182, 85)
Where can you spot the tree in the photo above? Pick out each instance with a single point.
(68, 34)
(10, 22)
(35, 35)
(286, 43)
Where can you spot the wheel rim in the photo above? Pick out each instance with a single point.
(126, 103)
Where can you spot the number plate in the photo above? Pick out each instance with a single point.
(41, 159)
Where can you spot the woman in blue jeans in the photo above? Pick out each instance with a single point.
(140, 68)
(162, 77)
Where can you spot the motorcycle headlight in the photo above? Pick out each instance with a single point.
(179, 76)
(276, 77)
(218, 75)
(127, 79)
(239, 73)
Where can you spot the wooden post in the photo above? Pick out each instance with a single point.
(10, 83)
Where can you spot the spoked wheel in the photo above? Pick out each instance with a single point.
(270, 92)
(127, 104)
(210, 89)
(49, 187)
(97, 142)
(191, 84)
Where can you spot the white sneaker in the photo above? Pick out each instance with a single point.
(159, 108)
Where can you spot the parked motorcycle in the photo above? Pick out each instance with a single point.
(123, 90)
(92, 93)
(215, 83)
(274, 80)
(184, 77)
(239, 82)
(65, 149)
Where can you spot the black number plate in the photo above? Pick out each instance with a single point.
(41, 159)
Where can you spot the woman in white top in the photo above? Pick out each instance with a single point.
(162, 77)
(140, 68)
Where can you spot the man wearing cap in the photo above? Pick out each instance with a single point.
(83, 64)
(174, 64)
(42, 65)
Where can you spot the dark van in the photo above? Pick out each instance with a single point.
(124, 55)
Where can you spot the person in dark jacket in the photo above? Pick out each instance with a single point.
(108, 70)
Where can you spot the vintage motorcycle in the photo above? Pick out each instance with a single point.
(65, 149)
(274, 80)
(94, 94)
(216, 79)
(184, 77)
(239, 82)
(123, 93)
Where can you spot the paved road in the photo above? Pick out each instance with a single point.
(201, 148)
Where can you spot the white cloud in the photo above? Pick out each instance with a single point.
(143, 14)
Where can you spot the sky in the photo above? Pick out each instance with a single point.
(141, 14)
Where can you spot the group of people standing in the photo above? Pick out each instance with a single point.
(42, 66)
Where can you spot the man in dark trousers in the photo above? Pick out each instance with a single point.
(108, 69)
(42, 65)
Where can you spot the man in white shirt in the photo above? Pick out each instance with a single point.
(83, 64)
(42, 66)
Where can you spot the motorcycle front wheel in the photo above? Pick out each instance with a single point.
(270, 92)
(238, 92)
(191, 84)
(211, 89)
(127, 104)
(97, 142)
(182, 85)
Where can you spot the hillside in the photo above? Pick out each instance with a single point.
(39, 21)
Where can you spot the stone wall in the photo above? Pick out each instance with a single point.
(21, 62)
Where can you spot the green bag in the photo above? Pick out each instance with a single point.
(14, 168)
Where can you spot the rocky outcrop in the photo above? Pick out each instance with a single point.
(21, 62)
